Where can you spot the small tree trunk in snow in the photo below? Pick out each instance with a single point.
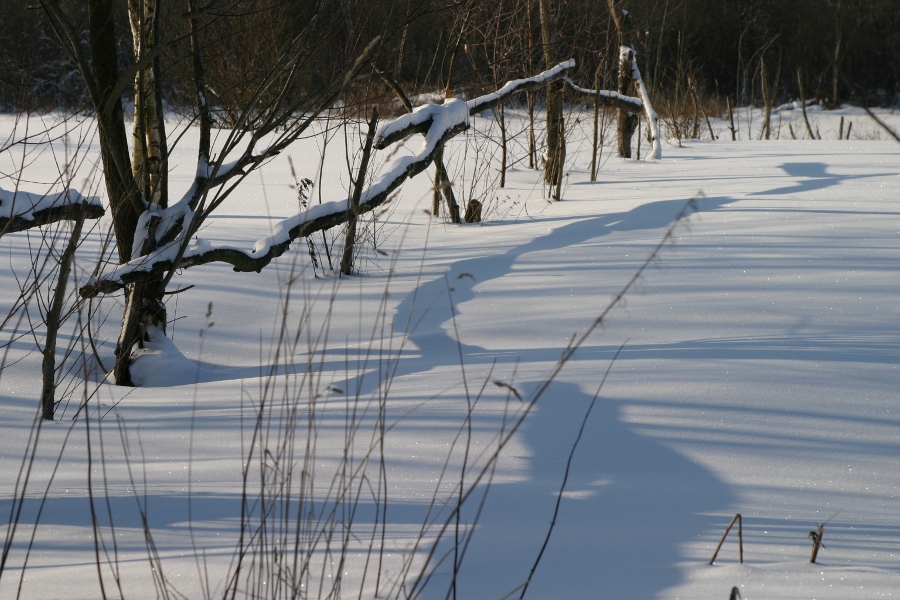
(502, 147)
(626, 122)
(54, 320)
(767, 121)
(596, 138)
(731, 120)
(556, 143)
(144, 306)
(809, 129)
(532, 151)
(347, 260)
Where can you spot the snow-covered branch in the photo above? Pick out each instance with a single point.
(319, 217)
(608, 98)
(649, 113)
(439, 123)
(24, 210)
(421, 119)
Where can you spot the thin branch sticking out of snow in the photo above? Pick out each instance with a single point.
(24, 210)
(439, 123)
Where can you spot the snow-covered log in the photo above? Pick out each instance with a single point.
(439, 123)
(24, 210)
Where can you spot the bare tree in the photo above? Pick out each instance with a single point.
(144, 218)
(556, 142)
(626, 122)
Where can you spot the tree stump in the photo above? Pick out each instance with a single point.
(473, 211)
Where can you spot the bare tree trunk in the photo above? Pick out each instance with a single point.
(556, 143)
(596, 140)
(347, 259)
(502, 145)
(626, 123)
(124, 197)
(809, 128)
(54, 320)
(731, 119)
(149, 133)
(144, 306)
(532, 151)
(767, 120)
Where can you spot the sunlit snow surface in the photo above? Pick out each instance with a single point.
(760, 375)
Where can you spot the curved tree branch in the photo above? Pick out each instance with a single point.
(439, 123)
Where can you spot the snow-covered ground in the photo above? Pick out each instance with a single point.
(759, 376)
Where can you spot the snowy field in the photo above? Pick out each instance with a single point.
(758, 375)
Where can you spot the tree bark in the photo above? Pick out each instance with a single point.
(148, 132)
(347, 259)
(144, 306)
(54, 320)
(125, 200)
(556, 145)
(626, 123)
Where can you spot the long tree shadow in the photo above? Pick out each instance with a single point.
(629, 502)
(812, 176)
(424, 314)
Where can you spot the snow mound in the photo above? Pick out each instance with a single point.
(161, 364)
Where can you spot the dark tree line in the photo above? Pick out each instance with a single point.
(844, 50)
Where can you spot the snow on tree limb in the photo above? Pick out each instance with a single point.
(24, 210)
(419, 121)
(322, 216)
(649, 113)
(608, 97)
(439, 123)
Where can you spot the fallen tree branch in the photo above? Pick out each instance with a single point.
(23, 210)
(317, 218)
(420, 120)
(607, 98)
(438, 122)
